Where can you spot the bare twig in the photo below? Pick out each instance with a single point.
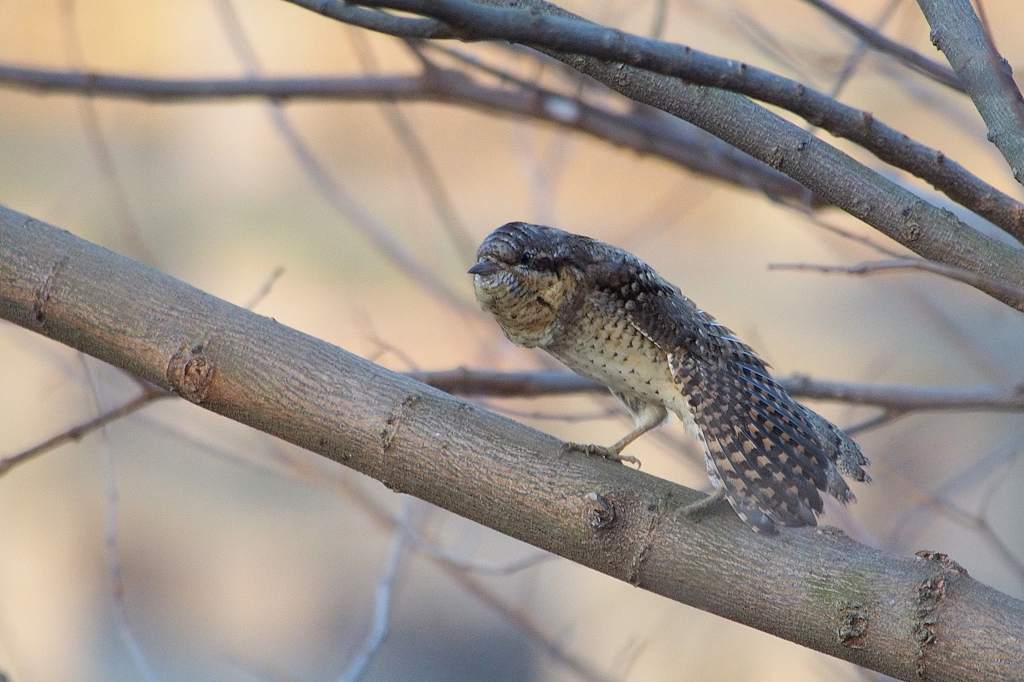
(907, 56)
(658, 19)
(477, 567)
(265, 288)
(100, 145)
(979, 5)
(426, 171)
(981, 466)
(856, 56)
(1011, 294)
(79, 431)
(661, 136)
(883, 418)
(519, 619)
(382, 599)
(373, 20)
(770, 44)
(872, 244)
(471, 382)
(986, 76)
(977, 522)
(112, 551)
(330, 190)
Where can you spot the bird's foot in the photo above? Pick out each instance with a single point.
(601, 451)
(695, 511)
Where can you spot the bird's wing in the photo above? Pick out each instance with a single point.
(771, 454)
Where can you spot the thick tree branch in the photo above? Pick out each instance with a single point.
(567, 34)
(659, 136)
(987, 77)
(833, 175)
(904, 617)
(901, 398)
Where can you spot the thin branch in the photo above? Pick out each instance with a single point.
(987, 77)
(883, 418)
(379, 627)
(659, 19)
(112, 550)
(769, 44)
(477, 21)
(373, 20)
(940, 500)
(268, 285)
(662, 136)
(472, 382)
(330, 190)
(480, 568)
(518, 618)
(856, 56)
(1012, 295)
(872, 244)
(916, 61)
(100, 145)
(430, 178)
(502, 474)
(976, 470)
(80, 431)
(979, 5)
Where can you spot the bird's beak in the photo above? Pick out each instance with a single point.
(484, 267)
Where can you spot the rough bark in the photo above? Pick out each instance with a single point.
(985, 74)
(907, 617)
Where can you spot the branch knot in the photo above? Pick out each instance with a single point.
(190, 373)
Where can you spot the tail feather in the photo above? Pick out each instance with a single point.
(771, 454)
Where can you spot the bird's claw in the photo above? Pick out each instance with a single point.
(601, 451)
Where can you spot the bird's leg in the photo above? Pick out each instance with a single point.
(647, 417)
(695, 511)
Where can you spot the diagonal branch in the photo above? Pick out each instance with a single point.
(916, 61)
(149, 395)
(987, 77)
(567, 34)
(833, 175)
(336, 194)
(659, 136)
(818, 588)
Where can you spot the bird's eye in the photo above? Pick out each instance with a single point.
(526, 258)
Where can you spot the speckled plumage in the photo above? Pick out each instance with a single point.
(609, 316)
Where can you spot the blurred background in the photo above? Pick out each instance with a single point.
(174, 544)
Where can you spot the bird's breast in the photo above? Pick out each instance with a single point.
(603, 345)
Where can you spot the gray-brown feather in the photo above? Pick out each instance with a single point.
(630, 329)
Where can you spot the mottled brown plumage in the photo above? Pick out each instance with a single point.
(608, 316)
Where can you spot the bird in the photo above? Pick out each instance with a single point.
(608, 316)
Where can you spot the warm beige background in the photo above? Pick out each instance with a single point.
(241, 556)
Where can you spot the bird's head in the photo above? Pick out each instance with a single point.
(525, 275)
